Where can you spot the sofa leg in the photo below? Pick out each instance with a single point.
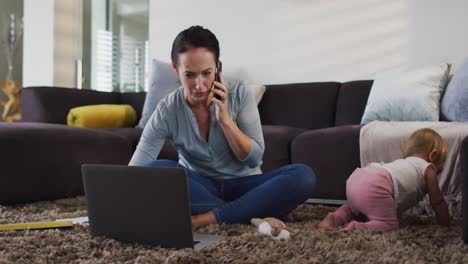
(464, 175)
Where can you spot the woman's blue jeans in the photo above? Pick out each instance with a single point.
(236, 201)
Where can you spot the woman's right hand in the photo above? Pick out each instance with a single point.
(222, 113)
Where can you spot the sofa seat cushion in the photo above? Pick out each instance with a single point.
(131, 134)
(43, 161)
(168, 152)
(332, 153)
(134, 134)
(278, 145)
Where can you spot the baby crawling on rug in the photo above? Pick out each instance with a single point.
(381, 192)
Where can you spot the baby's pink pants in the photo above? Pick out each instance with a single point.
(369, 192)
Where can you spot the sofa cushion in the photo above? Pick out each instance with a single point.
(136, 100)
(51, 104)
(302, 105)
(102, 116)
(407, 94)
(352, 99)
(131, 134)
(278, 146)
(454, 105)
(257, 90)
(332, 153)
(134, 134)
(163, 82)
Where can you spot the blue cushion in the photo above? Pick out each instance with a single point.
(454, 105)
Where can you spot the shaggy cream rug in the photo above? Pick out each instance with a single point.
(418, 241)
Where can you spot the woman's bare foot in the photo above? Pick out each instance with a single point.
(327, 222)
(203, 219)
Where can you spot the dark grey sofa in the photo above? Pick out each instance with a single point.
(312, 123)
(290, 114)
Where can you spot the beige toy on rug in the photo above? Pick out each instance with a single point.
(272, 227)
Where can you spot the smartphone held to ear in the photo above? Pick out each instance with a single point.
(219, 68)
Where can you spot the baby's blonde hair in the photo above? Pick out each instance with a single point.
(424, 141)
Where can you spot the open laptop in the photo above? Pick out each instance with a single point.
(141, 205)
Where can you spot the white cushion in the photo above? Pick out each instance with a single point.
(163, 81)
(257, 90)
(407, 94)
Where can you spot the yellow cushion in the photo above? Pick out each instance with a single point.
(102, 116)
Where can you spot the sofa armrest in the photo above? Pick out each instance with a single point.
(278, 141)
(51, 104)
(464, 176)
(333, 154)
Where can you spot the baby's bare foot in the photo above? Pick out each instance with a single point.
(327, 222)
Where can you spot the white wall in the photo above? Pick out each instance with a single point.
(277, 41)
(52, 42)
(38, 44)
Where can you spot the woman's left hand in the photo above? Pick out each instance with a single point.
(222, 113)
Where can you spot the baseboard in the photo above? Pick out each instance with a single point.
(325, 201)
